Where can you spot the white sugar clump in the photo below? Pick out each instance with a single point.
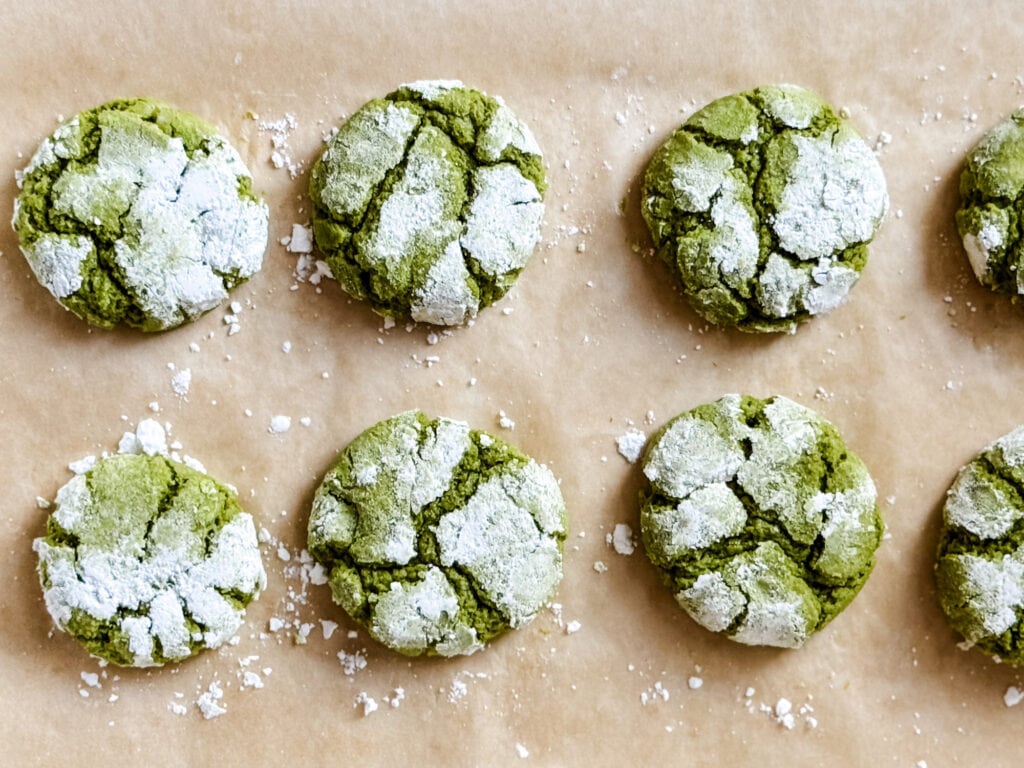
(707, 515)
(412, 617)
(154, 584)
(995, 589)
(981, 504)
(631, 444)
(1011, 446)
(505, 537)
(697, 181)
(504, 219)
(445, 297)
(56, 261)
(733, 246)
(791, 105)
(834, 197)
(503, 131)
(414, 476)
(353, 169)
(692, 453)
(621, 539)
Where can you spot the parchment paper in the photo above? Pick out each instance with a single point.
(919, 370)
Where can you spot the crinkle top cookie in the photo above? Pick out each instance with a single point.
(147, 561)
(980, 562)
(763, 203)
(427, 203)
(136, 213)
(437, 537)
(991, 205)
(759, 518)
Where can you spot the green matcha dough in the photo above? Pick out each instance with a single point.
(760, 520)
(764, 203)
(980, 561)
(991, 205)
(437, 537)
(428, 203)
(147, 561)
(136, 213)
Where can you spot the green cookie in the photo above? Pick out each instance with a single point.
(147, 561)
(427, 203)
(763, 203)
(760, 520)
(136, 213)
(437, 537)
(980, 567)
(991, 204)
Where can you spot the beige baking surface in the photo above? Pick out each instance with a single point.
(919, 370)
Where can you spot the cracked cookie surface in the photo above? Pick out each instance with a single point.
(147, 561)
(980, 560)
(428, 203)
(136, 213)
(991, 205)
(763, 203)
(437, 537)
(759, 519)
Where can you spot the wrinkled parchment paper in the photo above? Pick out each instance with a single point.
(919, 370)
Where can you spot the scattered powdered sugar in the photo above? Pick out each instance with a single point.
(621, 539)
(209, 703)
(181, 382)
(367, 702)
(522, 751)
(280, 130)
(354, 662)
(279, 424)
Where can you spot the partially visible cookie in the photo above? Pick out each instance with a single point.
(139, 214)
(763, 203)
(761, 521)
(428, 203)
(991, 205)
(147, 561)
(437, 537)
(980, 564)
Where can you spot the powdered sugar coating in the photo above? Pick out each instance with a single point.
(763, 202)
(453, 537)
(428, 203)
(980, 560)
(168, 228)
(991, 204)
(760, 519)
(148, 561)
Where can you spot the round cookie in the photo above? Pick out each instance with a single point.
(147, 561)
(980, 561)
(763, 203)
(760, 520)
(437, 538)
(428, 203)
(991, 204)
(139, 214)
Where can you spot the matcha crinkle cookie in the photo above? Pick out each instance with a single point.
(991, 204)
(147, 561)
(139, 214)
(764, 203)
(437, 537)
(761, 521)
(428, 203)
(980, 562)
